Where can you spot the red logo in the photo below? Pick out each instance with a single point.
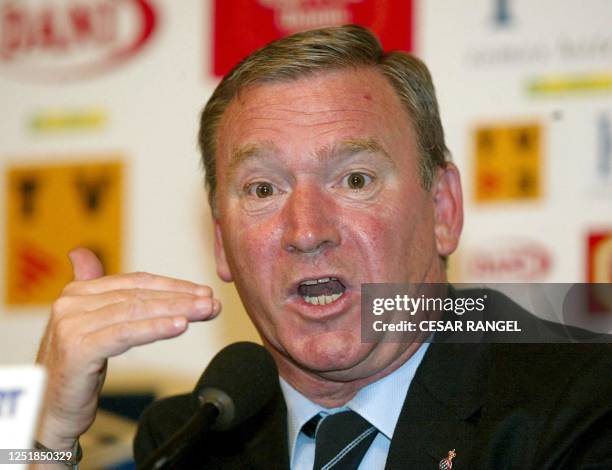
(60, 40)
(34, 266)
(242, 26)
(509, 260)
(599, 257)
(599, 275)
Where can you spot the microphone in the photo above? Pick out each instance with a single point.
(239, 381)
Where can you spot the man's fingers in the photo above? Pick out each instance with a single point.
(99, 316)
(118, 338)
(136, 281)
(189, 307)
(85, 264)
(76, 304)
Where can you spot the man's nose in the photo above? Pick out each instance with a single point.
(310, 220)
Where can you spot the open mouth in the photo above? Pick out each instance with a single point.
(321, 291)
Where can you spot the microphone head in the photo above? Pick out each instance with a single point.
(240, 380)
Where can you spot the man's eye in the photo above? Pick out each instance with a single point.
(261, 190)
(357, 180)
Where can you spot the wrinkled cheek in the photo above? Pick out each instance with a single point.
(397, 244)
(252, 247)
(252, 261)
(383, 243)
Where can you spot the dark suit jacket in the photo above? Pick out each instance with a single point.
(500, 406)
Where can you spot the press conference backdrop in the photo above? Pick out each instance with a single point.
(100, 102)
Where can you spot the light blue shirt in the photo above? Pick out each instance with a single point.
(380, 403)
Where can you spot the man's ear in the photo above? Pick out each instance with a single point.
(448, 203)
(223, 270)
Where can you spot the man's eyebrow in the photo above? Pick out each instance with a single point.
(345, 148)
(241, 154)
(353, 146)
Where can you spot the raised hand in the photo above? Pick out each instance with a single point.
(98, 317)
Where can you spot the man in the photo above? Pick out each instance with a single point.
(326, 169)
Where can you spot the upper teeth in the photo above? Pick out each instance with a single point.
(311, 282)
(322, 299)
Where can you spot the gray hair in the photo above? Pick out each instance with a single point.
(325, 49)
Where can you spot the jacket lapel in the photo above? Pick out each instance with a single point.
(442, 408)
(267, 448)
(440, 413)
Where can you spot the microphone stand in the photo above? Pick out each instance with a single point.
(169, 453)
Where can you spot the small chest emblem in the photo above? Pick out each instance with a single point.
(447, 463)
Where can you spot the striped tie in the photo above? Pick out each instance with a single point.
(341, 440)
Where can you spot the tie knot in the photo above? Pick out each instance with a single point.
(341, 439)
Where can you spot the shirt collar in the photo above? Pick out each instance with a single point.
(299, 410)
(390, 390)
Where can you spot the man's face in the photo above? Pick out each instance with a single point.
(318, 192)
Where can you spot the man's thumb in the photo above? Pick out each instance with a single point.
(85, 264)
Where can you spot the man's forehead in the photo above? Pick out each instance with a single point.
(311, 99)
(367, 83)
(344, 148)
(325, 115)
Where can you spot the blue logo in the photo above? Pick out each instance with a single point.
(604, 147)
(501, 14)
(8, 402)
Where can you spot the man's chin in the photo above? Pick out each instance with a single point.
(332, 355)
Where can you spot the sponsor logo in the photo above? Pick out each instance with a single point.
(292, 16)
(598, 297)
(604, 148)
(569, 84)
(70, 120)
(507, 163)
(599, 256)
(501, 13)
(235, 37)
(69, 40)
(586, 41)
(599, 183)
(52, 208)
(508, 260)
